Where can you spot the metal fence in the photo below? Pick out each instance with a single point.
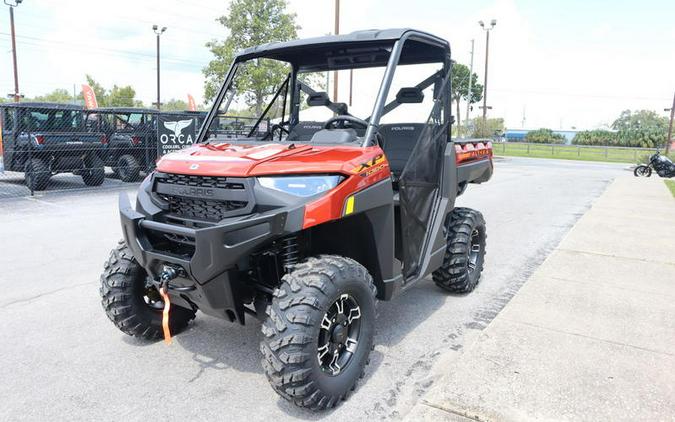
(54, 147)
(581, 152)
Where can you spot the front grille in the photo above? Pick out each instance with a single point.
(201, 181)
(201, 209)
(232, 196)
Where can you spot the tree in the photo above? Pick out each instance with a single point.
(97, 88)
(642, 128)
(58, 95)
(175, 105)
(544, 136)
(122, 96)
(460, 89)
(118, 96)
(595, 137)
(250, 23)
(487, 128)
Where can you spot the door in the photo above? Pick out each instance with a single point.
(419, 184)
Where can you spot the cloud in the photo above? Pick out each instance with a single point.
(559, 62)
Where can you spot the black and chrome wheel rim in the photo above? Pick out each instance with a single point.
(339, 335)
(474, 251)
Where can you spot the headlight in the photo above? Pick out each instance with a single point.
(301, 185)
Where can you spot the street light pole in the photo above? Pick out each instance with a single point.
(158, 32)
(337, 31)
(669, 141)
(487, 30)
(468, 105)
(12, 5)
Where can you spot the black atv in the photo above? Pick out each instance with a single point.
(132, 139)
(43, 139)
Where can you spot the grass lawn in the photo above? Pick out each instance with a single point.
(571, 152)
(671, 186)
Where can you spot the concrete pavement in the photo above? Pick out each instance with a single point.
(591, 334)
(60, 357)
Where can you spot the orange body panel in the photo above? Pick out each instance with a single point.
(473, 151)
(361, 168)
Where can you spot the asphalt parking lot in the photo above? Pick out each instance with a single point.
(12, 184)
(60, 358)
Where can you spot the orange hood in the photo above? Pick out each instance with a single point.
(263, 159)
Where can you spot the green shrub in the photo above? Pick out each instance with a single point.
(595, 137)
(544, 136)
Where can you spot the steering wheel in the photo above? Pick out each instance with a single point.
(275, 127)
(345, 118)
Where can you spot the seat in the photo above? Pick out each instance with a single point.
(399, 141)
(303, 131)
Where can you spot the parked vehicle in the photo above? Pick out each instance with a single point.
(307, 231)
(132, 139)
(42, 139)
(663, 165)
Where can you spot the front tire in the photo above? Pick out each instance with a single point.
(134, 307)
(642, 171)
(319, 331)
(127, 168)
(37, 174)
(465, 251)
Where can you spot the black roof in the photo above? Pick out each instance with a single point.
(123, 110)
(339, 51)
(195, 112)
(54, 106)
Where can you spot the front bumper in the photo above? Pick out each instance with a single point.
(210, 271)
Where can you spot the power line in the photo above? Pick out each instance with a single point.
(35, 41)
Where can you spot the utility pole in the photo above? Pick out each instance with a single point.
(468, 105)
(158, 32)
(669, 141)
(337, 31)
(12, 5)
(487, 30)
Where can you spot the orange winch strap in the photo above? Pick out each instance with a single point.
(165, 314)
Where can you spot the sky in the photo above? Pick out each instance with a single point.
(554, 63)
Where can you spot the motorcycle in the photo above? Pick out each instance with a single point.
(663, 165)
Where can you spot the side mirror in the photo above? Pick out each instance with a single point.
(412, 95)
(318, 99)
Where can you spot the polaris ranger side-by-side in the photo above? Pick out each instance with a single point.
(42, 139)
(307, 224)
(132, 139)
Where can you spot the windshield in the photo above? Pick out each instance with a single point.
(256, 99)
(48, 120)
(268, 100)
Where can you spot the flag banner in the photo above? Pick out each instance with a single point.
(89, 97)
(192, 106)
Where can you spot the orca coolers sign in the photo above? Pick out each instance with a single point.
(174, 133)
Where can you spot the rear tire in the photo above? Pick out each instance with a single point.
(127, 168)
(37, 174)
(133, 307)
(94, 174)
(642, 171)
(319, 331)
(465, 252)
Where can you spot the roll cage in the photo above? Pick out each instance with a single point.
(361, 49)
